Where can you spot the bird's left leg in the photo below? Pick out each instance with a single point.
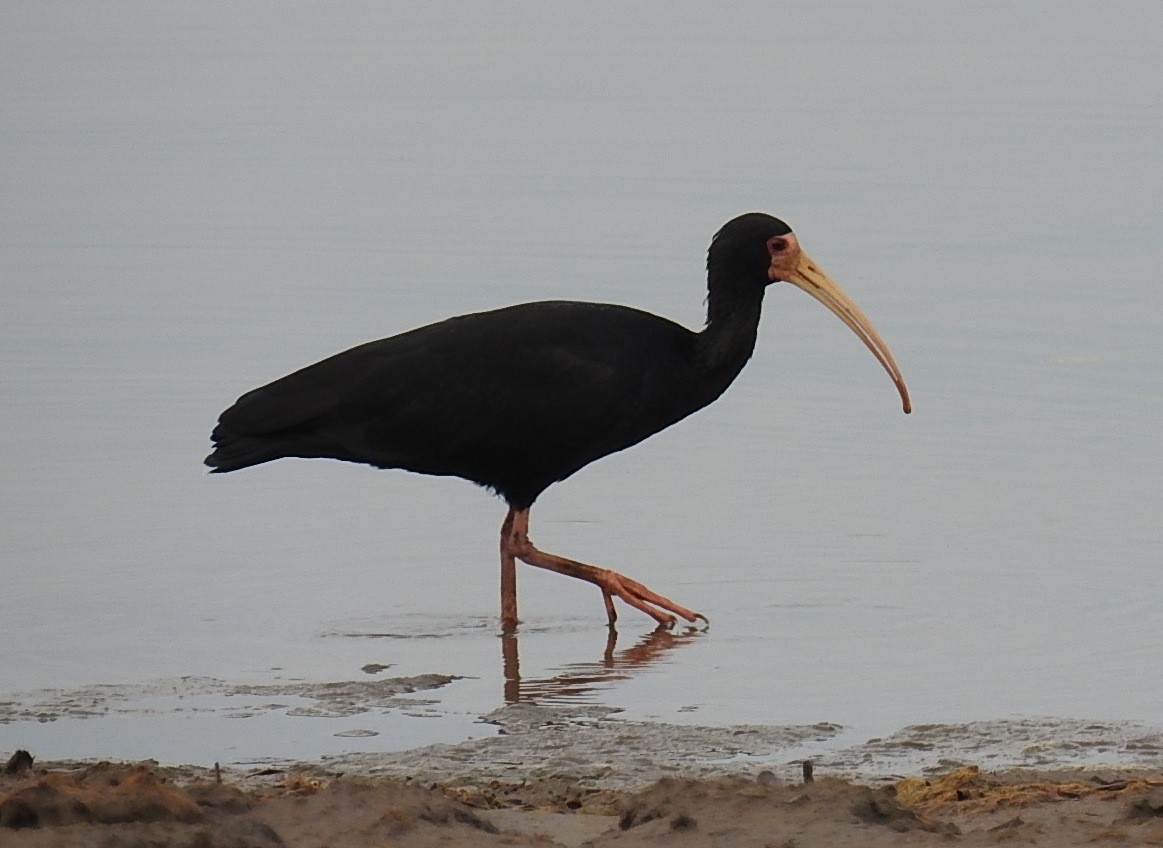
(508, 577)
(515, 541)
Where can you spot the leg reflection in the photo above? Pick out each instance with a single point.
(578, 682)
(511, 667)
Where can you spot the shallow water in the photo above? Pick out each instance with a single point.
(202, 198)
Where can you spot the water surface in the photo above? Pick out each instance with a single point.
(201, 198)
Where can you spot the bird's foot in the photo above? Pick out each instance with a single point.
(515, 544)
(638, 596)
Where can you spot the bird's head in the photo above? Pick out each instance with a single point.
(759, 249)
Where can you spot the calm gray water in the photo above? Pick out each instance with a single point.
(201, 197)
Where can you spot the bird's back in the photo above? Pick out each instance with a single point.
(514, 399)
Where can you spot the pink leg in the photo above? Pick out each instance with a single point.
(508, 578)
(515, 544)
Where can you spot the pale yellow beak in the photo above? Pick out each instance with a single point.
(807, 275)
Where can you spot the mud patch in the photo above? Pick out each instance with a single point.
(591, 745)
(206, 695)
(1027, 742)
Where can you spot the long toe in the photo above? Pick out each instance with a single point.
(650, 602)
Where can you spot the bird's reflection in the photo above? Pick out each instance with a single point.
(576, 681)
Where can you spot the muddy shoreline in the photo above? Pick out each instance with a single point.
(574, 775)
(525, 739)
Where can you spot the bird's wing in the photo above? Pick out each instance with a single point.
(552, 374)
(476, 392)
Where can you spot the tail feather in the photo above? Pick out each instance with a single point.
(232, 452)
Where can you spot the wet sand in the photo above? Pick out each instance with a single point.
(580, 774)
(526, 739)
(66, 805)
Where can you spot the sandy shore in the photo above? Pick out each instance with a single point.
(582, 775)
(73, 804)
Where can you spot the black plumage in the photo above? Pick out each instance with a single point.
(518, 398)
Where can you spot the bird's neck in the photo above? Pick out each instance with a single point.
(729, 337)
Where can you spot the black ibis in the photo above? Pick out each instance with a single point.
(518, 398)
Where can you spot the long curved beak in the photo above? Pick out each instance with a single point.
(808, 276)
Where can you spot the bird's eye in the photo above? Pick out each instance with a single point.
(777, 244)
